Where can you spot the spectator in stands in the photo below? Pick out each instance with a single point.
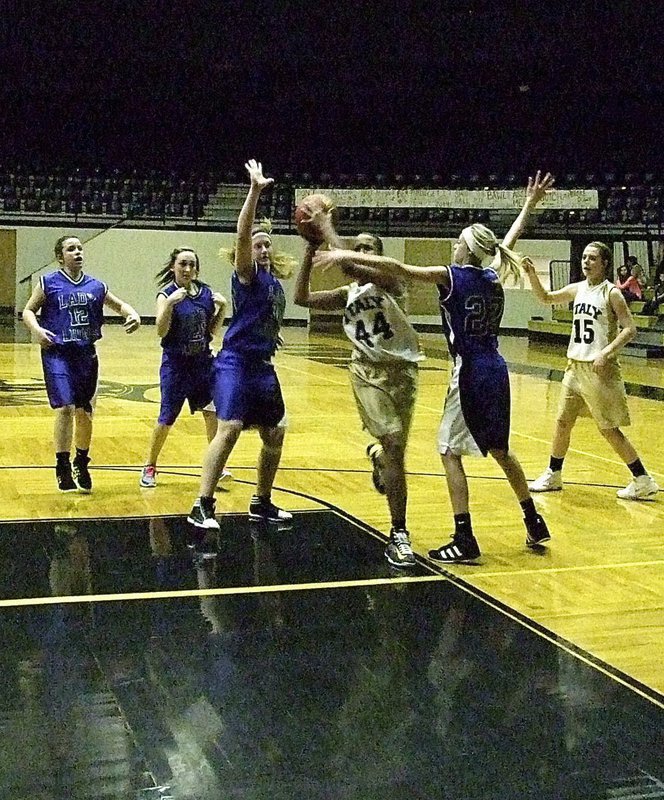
(636, 269)
(628, 283)
(652, 305)
(592, 384)
(72, 305)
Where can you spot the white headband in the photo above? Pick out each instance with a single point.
(261, 233)
(473, 245)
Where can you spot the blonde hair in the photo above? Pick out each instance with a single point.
(281, 264)
(482, 242)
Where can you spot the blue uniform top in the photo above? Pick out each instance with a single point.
(258, 310)
(73, 309)
(189, 333)
(472, 309)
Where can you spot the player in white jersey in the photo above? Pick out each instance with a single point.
(383, 370)
(592, 384)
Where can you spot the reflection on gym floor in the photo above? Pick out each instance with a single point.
(344, 680)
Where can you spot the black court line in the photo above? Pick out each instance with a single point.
(175, 470)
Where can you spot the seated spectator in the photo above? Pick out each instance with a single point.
(652, 306)
(53, 205)
(636, 269)
(32, 205)
(628, 284)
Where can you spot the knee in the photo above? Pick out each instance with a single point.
(273, 439)
(451, 460)
(612, 434)
(501, 457)
(228, 429)
(66, 412)
(564, 425)
(393, 447)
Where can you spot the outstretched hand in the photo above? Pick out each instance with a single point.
(255, 170)
(539, 186)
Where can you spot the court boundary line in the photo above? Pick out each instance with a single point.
(175, 469)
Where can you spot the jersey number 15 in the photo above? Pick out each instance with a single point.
(584, 333)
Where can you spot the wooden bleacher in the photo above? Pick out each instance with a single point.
(648, 342)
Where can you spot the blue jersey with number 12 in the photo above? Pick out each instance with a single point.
(73, 309)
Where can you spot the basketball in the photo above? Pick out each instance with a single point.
(305, 209)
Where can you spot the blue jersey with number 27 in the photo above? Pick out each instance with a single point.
(472, 308)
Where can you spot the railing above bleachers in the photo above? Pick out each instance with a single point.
(629, 200)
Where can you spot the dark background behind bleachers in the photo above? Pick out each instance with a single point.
(387, 88)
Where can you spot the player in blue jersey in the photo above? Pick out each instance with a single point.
(476, 415)
(188, 315)
(246, 387)
(71, 305)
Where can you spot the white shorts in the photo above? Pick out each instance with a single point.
(453, 434)
(599, 395)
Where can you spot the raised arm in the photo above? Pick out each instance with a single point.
(362, 272)
(323, 299)
(557, 297)
(535, 191)
(244, 261)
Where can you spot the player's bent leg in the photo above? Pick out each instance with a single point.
(537, 531)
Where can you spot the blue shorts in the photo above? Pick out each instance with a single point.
(248, 390)
(70, 374)
(184, 378)
(484, 389)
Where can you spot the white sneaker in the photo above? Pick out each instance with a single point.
(148, 477)
(548, 481)
(641, 488)
(225, 481)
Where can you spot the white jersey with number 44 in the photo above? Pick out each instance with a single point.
(377, 325)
